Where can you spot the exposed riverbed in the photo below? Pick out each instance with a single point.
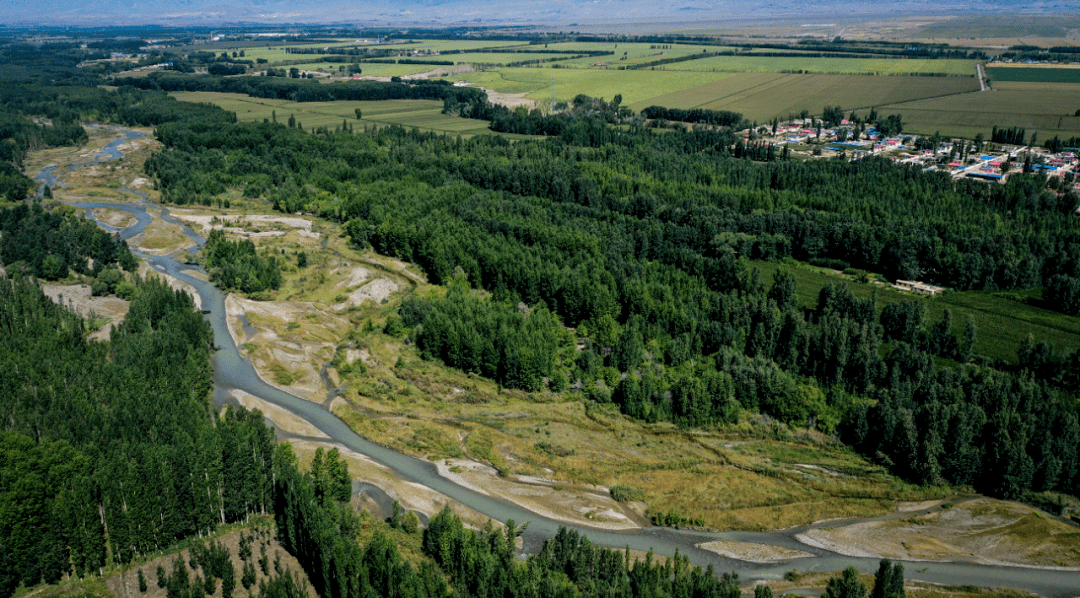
(235, 377)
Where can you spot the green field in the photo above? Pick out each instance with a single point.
(762, 96)
(1046, 108)
(489, 57)
(368, 69)
(635, 86)
(629, 54)
(1000, 324)
(425, 115)
(275, 52)
(838, 66)
(1033, 74)
(443, 45)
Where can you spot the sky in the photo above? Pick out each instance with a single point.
(442, 12)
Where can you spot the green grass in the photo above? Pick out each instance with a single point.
(1000, 324)
(1046, 108)
(369, 69)
(1038, 74)
(489, 57)
(635, 86)
(442, 45)
(762, 96)
(836, 66)
(629, 54)
(420, 114)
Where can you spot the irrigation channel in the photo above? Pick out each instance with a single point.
(231, 372)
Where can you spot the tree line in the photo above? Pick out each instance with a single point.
(303, 90)
(721, 118)
(49, 244)
(111, 450)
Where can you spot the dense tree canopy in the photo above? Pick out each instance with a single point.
(636, 239)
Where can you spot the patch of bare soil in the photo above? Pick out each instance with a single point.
(79, 299)
(983, 530)
(126, 584)
(578, 504)
(292, 340)
(752, 552)
(445, 71)
(282, 418)
(114, 218)
(246, 225)
(904, 507)
(510, 100)
(377, 291)
(356, 276)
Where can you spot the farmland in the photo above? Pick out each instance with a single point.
(629, 54)
(489, 57)
(425, 115)
(635, 86)
(368, 69)
(762, 96)
(1046, 108)
(840, 66)
(1033, 74)
(275, 53)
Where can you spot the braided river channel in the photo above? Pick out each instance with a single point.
(232, 372)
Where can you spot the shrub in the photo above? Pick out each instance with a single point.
(625, 493)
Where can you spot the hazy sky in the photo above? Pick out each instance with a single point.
(373, 12)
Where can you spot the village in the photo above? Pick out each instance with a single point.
(960, 158)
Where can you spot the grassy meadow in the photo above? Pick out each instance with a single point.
(636, 87)
(1046, 108)
(1000, 323)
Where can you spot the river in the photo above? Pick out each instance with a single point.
(232, 372)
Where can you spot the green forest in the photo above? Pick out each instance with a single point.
(630, 241)
(637, 240)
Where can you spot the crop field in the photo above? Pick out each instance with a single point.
(1047, 108)
(489, 57)
(840, 66)
(1033, 74)
(443, 45)
(275, 52)
(420, 114)
(636, 87)
(762, 96)
(629, 54)
(1000, 324)
(368, 69)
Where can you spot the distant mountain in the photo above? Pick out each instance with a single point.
(374, 12)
